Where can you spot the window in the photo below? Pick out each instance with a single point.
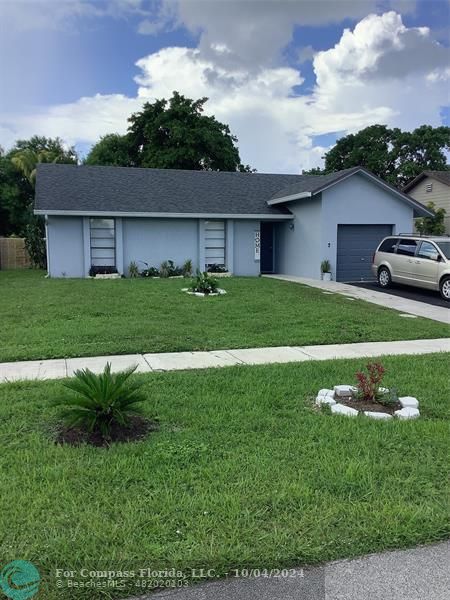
(214, 243)
(445, 248)
(103, 243)
(407, 247)
(388, 245)
(429, 187)
(427, 250)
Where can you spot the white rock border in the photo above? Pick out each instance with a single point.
(325, 396)
(220, 292)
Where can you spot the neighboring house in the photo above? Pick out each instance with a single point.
(432, 186)
(251, 223)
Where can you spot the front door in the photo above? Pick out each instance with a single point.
(266, 247)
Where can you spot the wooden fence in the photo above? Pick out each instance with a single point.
(13, 254)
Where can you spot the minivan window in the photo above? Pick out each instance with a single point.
(427, 250)
(445, 248)
(407, 247)
(388, 245)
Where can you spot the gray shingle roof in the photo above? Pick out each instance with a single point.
(89, 189)
(312, 183)
(125, 189)
(442, 176)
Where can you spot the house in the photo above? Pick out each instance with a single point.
(251, 223)
(432, 186)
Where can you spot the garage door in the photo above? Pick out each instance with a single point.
(355, 247)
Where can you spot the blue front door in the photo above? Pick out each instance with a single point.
(266, 247)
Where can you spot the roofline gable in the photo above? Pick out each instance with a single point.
(423, 175)
(418, 206)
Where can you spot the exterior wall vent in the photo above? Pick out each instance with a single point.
(429, 187)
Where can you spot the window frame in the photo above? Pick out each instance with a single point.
(392, 237)
(417, 242)
(214, 260)
(108, 248)
(426, 257)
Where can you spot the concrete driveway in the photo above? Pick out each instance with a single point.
(406, 291)
(375, 296)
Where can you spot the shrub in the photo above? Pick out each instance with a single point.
(35, 242)
(133, 269)
(168, 269)
(164, 269)
(368, 383)
(101, 401)
(150, 272)
(187, 268)
(204, 283)
(93, 271)
(214, 268)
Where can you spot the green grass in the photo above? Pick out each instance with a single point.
(42, 318)
(244, 472)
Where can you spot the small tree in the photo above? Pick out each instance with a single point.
(432, 225)
(35, 242)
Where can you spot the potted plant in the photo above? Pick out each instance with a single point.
(325, 269)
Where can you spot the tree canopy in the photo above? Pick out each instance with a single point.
(394, 155)
(171, 134)
(112, 150)
(17, 180)
(432, 225)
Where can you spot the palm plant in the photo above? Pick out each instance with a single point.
(102, 401)
(205, 283)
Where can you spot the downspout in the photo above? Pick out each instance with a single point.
(47, 253)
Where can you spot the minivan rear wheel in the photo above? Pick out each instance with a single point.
(444, 287)
(384, 277)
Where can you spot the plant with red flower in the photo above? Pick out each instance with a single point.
(369, 382)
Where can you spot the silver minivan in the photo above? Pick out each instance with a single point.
(414, 260)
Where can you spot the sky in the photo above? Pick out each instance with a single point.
(288, 76)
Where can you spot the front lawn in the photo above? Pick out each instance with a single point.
(48, 318)
(242, 473)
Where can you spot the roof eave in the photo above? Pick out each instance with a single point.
(290, 198)
(164, 215)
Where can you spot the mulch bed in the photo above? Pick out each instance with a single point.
(138, 429)
(362, 405)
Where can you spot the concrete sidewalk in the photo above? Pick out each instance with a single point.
(176, 361)
(419, 574)
(403, 305)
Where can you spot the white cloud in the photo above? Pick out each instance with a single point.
(360, 81)
(256, 31)
(383, 64)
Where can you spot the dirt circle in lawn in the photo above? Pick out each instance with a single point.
(137, 429)
(368, 405)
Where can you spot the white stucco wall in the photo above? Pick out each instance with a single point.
(358, 201)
